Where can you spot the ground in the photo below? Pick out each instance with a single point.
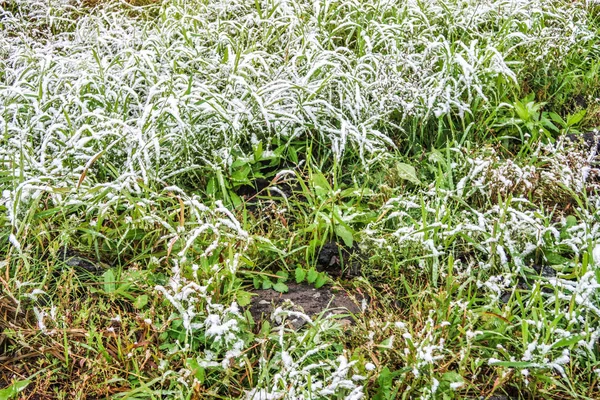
(299, 199)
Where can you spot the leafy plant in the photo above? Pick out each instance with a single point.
(312, 276)
(267, 281)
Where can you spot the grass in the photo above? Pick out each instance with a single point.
(159, 158)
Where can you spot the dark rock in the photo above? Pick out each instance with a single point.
(590, 141)
(306, 299)
(580, 101)
(74, 259)
(526, 283)
(249, 192)
(329, 255)
(338, 261)
(544, 271)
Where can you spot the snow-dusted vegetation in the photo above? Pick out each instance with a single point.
(162, 160)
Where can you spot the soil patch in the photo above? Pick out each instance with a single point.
(306, 299)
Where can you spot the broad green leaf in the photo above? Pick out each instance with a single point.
(257, 282)
(211, 187)
(384, 382)
(293, 155)
(235, 199)
(522, 111)
(515, 364)
(571, 221)
(452, 376)
(548, 124)
(239, 162)
(300, 274)
(566, 342)
(13, 390)
(408, 173)
(141, 301)
(345, 234)
(557, 118)
(134, 234)
(280, 287)
(575, 118)
(555, 259)
(283, 275)
(352, 192)
(109, 281)
(266, 284)
(321, 280)
(196, 369)
(241, 175)
(312, 275)
(243, 297)
(320, 184)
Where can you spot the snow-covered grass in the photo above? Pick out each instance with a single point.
(425, 132)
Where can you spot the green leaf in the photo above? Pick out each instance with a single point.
(408, 173)
(452, 377)
(515, 364)
(575, 118)
(135, 234)
(241, 175)
(109, 281)
(196, 369)
(555, 259)
(571, 221)
(447, 379)
(211, 187)
(258, 152)
(266, 284)
(243, 297)
(321, 280)
(265, 329)
(239, 162)
(300, 274)
(280, 287)
(384, 381)
(320, 184)
(312, 275)
(567, 342)
(293, 155)
(141, 301)
(345, 234)
(257, 282)
(557, 118)
(548, 124)
(13, 390)
(235, 199)
(283, 275)
(522, 111)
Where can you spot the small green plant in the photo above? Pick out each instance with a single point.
(268, 281)
(312, 276)
(12, 391)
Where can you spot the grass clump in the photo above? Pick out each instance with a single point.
(159, 158)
